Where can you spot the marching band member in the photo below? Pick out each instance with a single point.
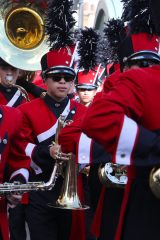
(130, 98)
(13, 161)
(10, 95)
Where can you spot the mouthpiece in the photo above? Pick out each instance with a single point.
(9, 78)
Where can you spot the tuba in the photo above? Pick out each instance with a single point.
(23, 40)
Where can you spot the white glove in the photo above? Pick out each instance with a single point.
(14, 199)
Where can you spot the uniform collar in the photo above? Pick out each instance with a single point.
(52, 103)
(7, 89)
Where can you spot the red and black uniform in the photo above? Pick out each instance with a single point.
(106, 202)
(134, 99)
(12, 159)
(11, 96)
(39, 128)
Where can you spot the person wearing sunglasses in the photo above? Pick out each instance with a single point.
(39, 129)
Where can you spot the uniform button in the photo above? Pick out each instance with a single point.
(123, 155)
(0, 115)
(57, 105)
(73, 111)
(8, 90)
(4, 141)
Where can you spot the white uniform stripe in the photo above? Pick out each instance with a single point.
(21, 171)
(126, 142)
(14, 98)
(50, 132)
(84, 148)
(29, 149)
(36, 168)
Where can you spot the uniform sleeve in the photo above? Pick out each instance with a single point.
(109, 119)
(18, 162)
(36, 153)
(87, 151)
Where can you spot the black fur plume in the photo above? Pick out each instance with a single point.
(59, 23)
(155, 14)
(114, 32)
(138, 14)
(88, 48)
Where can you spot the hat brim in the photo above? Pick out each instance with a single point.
(60, 70)
(144, 55)
(86, 86)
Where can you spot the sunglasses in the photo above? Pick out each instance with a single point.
(57, 78)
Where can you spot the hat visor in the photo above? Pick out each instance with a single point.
(86, 86)
(144, 55)
(60, 70)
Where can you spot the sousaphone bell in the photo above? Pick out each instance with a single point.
(22, 36)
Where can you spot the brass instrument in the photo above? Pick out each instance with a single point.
(68, 198)
(9, 78)
(154, 181)
(17, 187)
(113, 175)
(23, 40)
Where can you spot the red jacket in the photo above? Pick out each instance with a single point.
(133, 101)
(11, 155)
(40, 118)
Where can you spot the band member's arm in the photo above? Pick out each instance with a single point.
(37, 153)
(86, 150)
(18, 163)
(108, 121)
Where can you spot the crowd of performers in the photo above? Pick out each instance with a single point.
(107, 90)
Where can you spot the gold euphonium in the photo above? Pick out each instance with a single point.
(68, 198)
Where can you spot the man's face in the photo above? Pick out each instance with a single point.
(86, 95)
(8, 75)
(58, 86)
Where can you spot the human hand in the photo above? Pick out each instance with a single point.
(53, 150)
(14, 199)
(57, 154)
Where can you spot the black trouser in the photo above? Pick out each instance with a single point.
(89, 213)
(45, 222)
(143, 210)
(17, 219)
(111, 211)
(1, 236)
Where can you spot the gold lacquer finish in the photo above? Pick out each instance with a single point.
(69, 198)
(24, 28)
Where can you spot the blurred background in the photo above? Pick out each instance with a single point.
(93, 13)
